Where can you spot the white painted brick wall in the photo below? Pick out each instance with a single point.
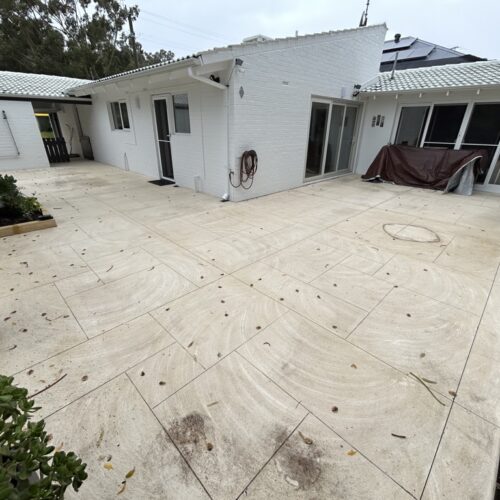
(27, 135)
(273, 118)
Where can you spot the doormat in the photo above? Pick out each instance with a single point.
(162, 182)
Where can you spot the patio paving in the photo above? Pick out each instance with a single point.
(340, 340)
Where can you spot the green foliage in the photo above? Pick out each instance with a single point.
(24, 451)
(78, 38)
(13, 204)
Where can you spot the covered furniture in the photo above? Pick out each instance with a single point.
(432, 168)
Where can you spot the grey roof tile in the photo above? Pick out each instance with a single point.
(472, 74)
(33, 85)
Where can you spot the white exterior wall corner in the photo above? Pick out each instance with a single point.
(201, 153)
(278, 83)
(25, 130)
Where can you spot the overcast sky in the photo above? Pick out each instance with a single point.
(188, 26)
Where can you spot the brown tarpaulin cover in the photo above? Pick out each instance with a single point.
(420, 167)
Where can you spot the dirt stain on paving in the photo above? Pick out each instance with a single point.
(299, 463)
(190, 430)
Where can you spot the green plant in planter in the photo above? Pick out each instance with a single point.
(13, 203)
(28, 467)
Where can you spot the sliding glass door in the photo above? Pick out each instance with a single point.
(332, 132)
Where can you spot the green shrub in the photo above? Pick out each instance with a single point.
(13, 204)
(28, 467)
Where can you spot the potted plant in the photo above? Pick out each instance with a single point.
(29, 467)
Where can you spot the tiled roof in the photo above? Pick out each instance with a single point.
(475, 74)
(33, 85)
(144, 68)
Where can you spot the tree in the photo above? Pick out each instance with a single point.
(78, 38)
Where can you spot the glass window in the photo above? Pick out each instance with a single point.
(317, 132)
(347, 138)
(484, 125)
(445, 124)
(181, 114)
(119, 115)
(124, 112)
(411, 125)
(333, 144)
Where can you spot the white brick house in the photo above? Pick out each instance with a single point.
(256, 95)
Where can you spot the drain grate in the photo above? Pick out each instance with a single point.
(409, 232)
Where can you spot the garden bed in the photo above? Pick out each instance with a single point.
(20, 213)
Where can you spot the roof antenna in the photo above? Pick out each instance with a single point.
(364, 17)
(397, 38)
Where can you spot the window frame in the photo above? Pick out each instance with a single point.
(115, 118)
(173, 96)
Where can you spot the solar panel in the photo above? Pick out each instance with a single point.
(404, 43)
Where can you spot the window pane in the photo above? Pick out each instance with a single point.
(333, 144)
(181, 114)
(317, 131)
(123, 107)
(161, 119)
(445, 123)
(115, 112)
(484, 125)
(347, 138)
(411, 125)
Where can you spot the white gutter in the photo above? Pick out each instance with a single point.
(35, 97)
(133, 74)
(205, 80)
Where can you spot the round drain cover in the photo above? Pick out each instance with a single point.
(408, 232)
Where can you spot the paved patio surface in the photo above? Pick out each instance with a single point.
(340, 340)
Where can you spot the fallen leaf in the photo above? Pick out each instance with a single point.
(354, 366)
(352, 452)
(130, 473)
(335, 409)
(99, 440)
(162, 382)
(108, 466)
(84, 378)
(452, 393)
(422, 354)
(210, 446)
(306, 439)
(400, 436)
(60, 447)
(122, 489)
(213, 403)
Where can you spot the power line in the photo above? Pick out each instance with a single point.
(186, 28)
(167, 43)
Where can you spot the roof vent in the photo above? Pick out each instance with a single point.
(256, 39)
